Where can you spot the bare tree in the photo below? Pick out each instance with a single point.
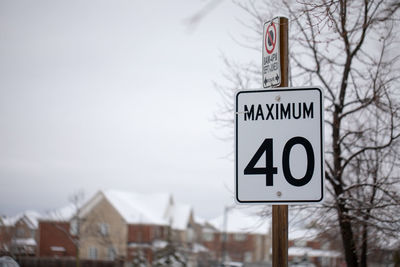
(74, 222)
(82, 228)
(350, 49)
(94, 227)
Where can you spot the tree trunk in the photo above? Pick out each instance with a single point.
(364, 247)
(344, 222)
(77, 258)
(347, 237)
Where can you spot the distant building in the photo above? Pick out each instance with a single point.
(57, 235)
(128, 226)
(114, 224)
(307, 245)
(55, 239)
(153, 227)
(239, 236)
(18, 234)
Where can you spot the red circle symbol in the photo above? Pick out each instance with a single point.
(270, 39)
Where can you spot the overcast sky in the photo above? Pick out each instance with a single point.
(119, 95)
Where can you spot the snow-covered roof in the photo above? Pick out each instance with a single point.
(302, 234)
(138, 208)
(57, 249)
(197, 248)
(30, 217)
(389, 242)
(65, 213)
(134, 208)
(24, 242)
(9, 221)
(199, 220)
(180, 215)
(160, 243)
(301, 251)
(33, 218)
(238, 221)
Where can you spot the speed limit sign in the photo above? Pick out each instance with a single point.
(279, 146)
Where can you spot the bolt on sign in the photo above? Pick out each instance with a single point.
(271, 64)
(279, 146)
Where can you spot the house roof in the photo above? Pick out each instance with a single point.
(24, 242)
(304, 234)
(137, 208)
(199, 220)
(180, 216)
(30, 217)
(238, 221)
(65, 213)
(134, 208)
(301, 251)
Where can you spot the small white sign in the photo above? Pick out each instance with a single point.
(279, 146)
(271, 62)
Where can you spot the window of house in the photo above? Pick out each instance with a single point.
(325, 246)
(325, 261)
(139, 236)
(191, 235)
(208, 236)
(92, 253)
(248, 256)
(103, 229)
(300, 243)
(73, 227)
(111, 253)
(20, 232)
(239, 237)
(33, 233)
(156, 232)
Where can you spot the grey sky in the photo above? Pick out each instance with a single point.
(112, 95)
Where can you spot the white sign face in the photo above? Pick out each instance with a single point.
(279, 146)
(271, 66)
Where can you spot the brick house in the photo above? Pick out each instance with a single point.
(307, 244)
(18, 234)
(114, 224)
(55, 239)
(56, 233)
(239, 237)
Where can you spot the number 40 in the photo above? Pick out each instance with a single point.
(269, 170)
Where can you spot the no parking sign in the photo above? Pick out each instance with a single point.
(271, 65)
